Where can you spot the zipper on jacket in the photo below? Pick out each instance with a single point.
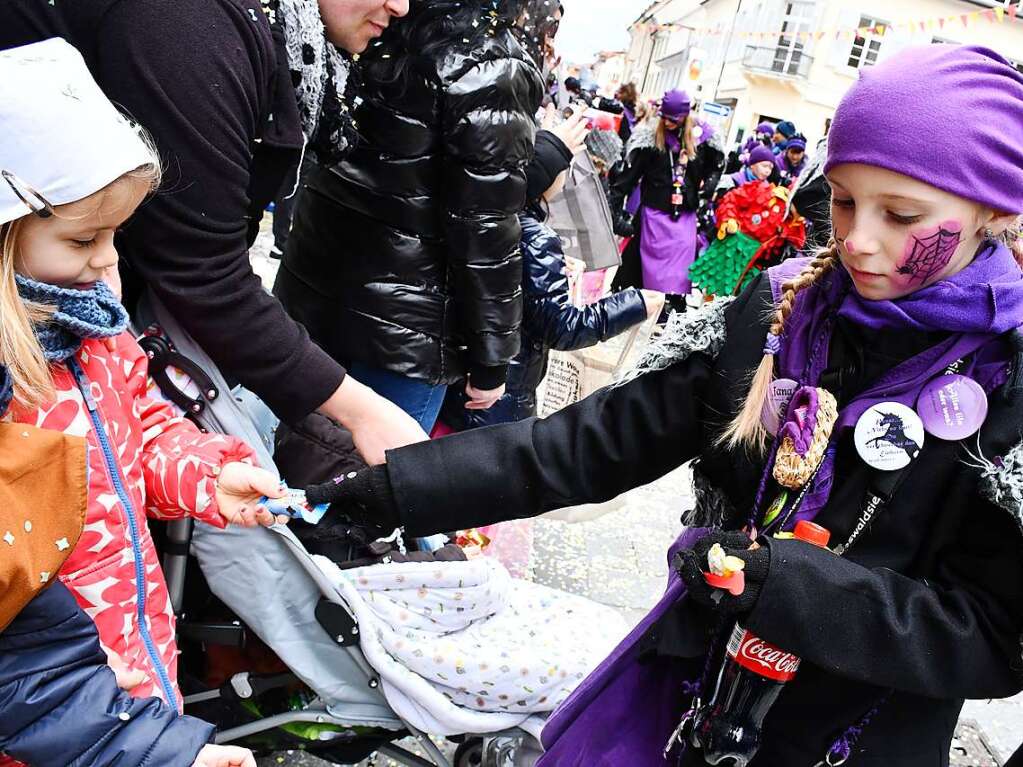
(114, 472)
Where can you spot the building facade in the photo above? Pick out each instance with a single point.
(794, 60)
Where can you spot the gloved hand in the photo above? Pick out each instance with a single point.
(623, 225)
(365, 497)
(691, 564)
(731, 226)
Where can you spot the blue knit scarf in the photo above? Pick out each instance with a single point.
(80, 314)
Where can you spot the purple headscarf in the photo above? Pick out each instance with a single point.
(957, 126)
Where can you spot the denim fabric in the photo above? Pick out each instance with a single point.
(420, 399)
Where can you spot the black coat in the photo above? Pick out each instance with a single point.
(653, 170)
(550, 322)
(926, 604)
(405, 256)
(60, 703)
(209, 80)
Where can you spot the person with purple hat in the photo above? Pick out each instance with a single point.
(792, 160)
(759, 166)
(675, 168)
(875, 389)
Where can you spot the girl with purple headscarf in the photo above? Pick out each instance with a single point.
(902, 344)
(675, 171)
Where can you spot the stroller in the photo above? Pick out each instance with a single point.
(259, 594)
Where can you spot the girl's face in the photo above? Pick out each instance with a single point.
(762, 170)
(896, 234)
(74, 247)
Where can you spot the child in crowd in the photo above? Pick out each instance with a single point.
(72, 171)
(900, 348)
(550, 321)
(59, 702)
(792, 161)
(759, 166)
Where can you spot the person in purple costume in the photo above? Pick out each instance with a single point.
(792, 161)
(675, 171)
(914, 610)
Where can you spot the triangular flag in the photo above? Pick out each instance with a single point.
(941, 23)
(820, 35)
(880, 30)
(966, 20)
(989, 15)
(1013, 10)
(1000, 13)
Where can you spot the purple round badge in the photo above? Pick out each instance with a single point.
(777, 403)
(952, 407)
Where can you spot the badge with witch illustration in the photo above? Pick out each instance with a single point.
(889, 436)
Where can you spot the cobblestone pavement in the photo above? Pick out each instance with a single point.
(619, 560)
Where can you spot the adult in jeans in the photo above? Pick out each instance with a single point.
(403, 260)
(231, 91)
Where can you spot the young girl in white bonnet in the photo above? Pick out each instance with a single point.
(72, 171)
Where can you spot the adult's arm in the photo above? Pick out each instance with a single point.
(195, 74)
(489, 132)
(955, 635)
(60, 703)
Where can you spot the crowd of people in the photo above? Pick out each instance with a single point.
(414, 148)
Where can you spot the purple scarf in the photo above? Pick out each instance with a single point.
(975, 306)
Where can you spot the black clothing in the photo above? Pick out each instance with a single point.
(405, 255)
(550, 321)
(653, 170)
(812, 201)
(1016, 760)
(691, 564)
(926, 603)
(209, 80)
(551, 157)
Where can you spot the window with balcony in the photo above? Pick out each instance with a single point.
(789, 52)
(866, 46)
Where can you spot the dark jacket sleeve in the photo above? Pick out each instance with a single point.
(549, 313)
(955, 635)
(616, 439)
(702, 175)
(60, 704)
(489, 133)
(196, 74)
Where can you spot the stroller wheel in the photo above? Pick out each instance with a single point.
(469, 753)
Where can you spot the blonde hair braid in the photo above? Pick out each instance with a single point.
(747, 429)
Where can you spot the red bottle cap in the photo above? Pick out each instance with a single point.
(811, 533)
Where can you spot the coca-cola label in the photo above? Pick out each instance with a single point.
(760, 657)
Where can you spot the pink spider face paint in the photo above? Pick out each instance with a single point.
(928, 251)
(850, 246)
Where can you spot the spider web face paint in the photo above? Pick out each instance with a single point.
(929, 251)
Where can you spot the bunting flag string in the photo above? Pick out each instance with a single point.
(965, 20)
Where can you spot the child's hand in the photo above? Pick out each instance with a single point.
(224, 756)
(239, 488)
(654, 303)
(128, 678)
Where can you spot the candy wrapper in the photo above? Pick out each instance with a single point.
(472, 542)
(295, 505)
(726, 572)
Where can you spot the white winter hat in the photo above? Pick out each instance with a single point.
(61, 139)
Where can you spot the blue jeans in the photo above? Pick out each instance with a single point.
(420, 399)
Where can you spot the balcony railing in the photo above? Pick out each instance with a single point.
(782, 61)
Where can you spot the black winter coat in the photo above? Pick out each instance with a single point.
(405, 256)
(550, 321)
(60, 704)
(209, 80)
(653, 170)
(928, 603)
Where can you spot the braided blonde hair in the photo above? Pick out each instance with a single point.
(747, 429)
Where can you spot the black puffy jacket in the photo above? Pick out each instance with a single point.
(405, 256)
(550, 322)
(60, 704)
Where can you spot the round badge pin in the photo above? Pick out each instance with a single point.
(777, 403)
(889, 436)
(952, 407)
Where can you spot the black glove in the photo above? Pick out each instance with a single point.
(691, 564)
(623, 226)
(365, 497)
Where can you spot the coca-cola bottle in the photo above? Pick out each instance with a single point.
(752, 676)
